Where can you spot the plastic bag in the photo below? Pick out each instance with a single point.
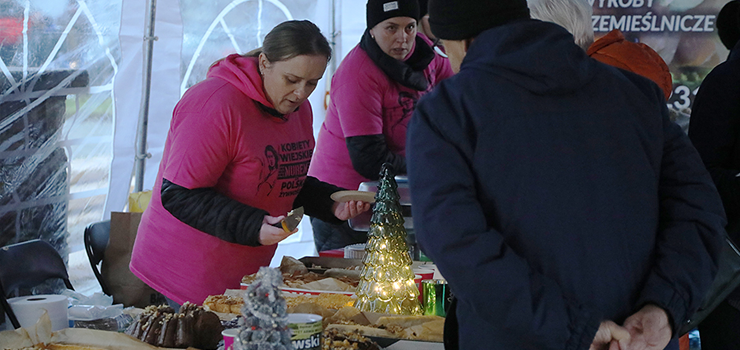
(96, 311)
(138, 201)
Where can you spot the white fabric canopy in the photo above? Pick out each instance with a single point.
(226, 31)
(72, 87)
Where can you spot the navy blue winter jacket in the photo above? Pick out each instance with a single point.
(553, 193)
(715, 132)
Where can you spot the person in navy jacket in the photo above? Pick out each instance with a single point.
(715, 131)
(564, 208)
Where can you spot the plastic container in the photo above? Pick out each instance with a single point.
(354, 251)
(229, 335)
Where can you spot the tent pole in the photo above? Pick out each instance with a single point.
(141, 132)
(334, 56)
(334, 35)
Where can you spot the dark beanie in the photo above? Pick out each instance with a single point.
(728, 24)
(380, 10)
(464, 19)
(423, 8)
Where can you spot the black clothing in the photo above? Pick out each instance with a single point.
(329, 236)
(236, 222)
(715, 131)
(409, 73)
(369, 152)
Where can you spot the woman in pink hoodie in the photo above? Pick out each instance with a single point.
(235, 162)
(373, 95)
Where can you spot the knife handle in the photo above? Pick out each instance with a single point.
(282, 225)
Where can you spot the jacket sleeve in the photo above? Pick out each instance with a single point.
(453, 231)
(690, 230)
(213, 213)
(715, 132)
(315, 198)
(369, 152)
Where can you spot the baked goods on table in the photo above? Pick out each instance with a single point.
(54, 346)
(191, 327)
(299, 277)
(337, 339)
(303, 280)
(326, 300)
(233, 305)
(345, 327)
(40, 337)
(338, 313)
(426, 328)
(224, 304)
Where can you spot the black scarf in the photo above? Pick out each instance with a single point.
(273, 112)
(409, 73)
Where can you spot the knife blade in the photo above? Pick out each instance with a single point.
(291, 221)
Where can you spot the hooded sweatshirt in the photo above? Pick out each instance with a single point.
(366, 101)
(222, 137)
(553, 193)
(613, 49)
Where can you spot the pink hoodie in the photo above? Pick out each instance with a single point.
(220, 137)
(365, 101)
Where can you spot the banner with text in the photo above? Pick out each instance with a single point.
(683, 32)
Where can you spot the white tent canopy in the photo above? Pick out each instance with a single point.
(89, 57)
(73, 83)
(230, 26)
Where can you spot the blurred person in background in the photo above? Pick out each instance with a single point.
(424, 21)
(715, 132)
(373, 94)
(573, 15)
(612, 48)
(426, 30)
(553, 192)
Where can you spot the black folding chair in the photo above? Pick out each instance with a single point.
(97, 235)
(25, 265)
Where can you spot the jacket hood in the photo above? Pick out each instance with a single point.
(523, 53)
(735, 52)
(614, 50)
(242, 73)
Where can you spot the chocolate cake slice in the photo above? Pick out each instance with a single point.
(191, 327)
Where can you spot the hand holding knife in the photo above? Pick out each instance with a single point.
(269, 235)
(291, 221)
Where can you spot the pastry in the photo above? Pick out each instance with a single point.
(191, 327)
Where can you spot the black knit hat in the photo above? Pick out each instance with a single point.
(423, 8)
(464, 19)
(380, 10)
(728, 24)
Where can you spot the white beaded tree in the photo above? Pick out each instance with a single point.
(265, 322)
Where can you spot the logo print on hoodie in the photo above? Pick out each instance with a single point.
(294, 158)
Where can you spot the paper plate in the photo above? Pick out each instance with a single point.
(346, 196)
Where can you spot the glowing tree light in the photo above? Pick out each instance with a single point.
(387, 279)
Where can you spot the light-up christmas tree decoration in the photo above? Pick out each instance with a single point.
(387, 279)
(265, 322)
